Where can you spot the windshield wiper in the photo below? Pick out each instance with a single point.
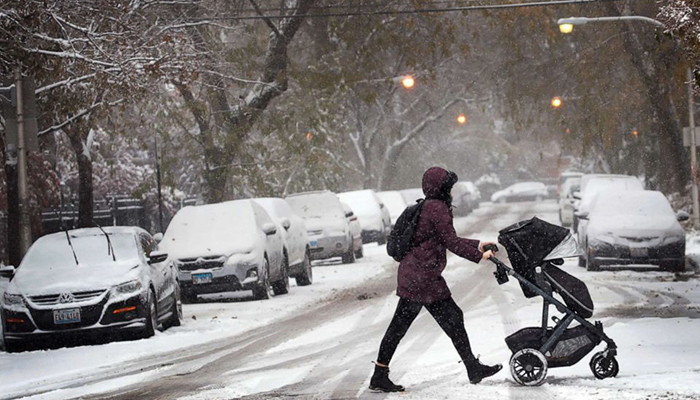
(71, 248)
(110, 248)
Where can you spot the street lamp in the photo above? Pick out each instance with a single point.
(571, 21)
(408, 81)
(556, 102)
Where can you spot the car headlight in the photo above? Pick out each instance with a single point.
(12, 299)
(128, 287)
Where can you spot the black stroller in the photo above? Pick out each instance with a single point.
(535, 247)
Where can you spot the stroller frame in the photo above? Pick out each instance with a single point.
(606, 356)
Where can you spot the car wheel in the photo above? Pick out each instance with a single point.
(187, 297)
(12, 346)
(263, 290)
(282, 286)
(306, 277)
(176, 312)
(151, 316)
(349, 256)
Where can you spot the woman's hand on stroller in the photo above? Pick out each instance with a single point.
(486, 246)
(487, 254)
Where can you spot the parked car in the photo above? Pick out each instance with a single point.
(226, 247)
(294, 238)
(593, 186)
(355, 230)
(87, 281)
(461, 204)
(474, 196)
(395, 204)
(522, 191)
(410, 196)
(634, 228)
(567, 201)
(326, 225)
(372, 213)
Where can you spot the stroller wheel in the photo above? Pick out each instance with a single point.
(604, 367)
(528, 367)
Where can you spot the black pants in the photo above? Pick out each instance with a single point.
(447, 314)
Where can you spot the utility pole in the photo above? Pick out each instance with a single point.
(160, 195)
(693, 151)
(25, 228)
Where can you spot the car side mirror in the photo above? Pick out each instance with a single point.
(7, 271)
(286, 223)
(582, 215)
(269, 228)
(349, 214)
(158, 237)
(157, 257)
(682, 216)
(577, 195)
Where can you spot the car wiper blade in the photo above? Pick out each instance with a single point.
(71, 248)
(110, 248)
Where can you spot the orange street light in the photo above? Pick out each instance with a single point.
(408, 81)
(556, 102)
(566, 28)
(635, 133)
(309, 136)
(461, 118)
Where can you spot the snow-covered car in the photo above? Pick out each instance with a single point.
(594, 185)
(226, 247)
(474, 196)
(565, 176)
(355, 230)
(567, 201)
(464, 198)
(410, 196)
(374, 220)
(294, 236)
(522, 191)
(637, 227)
(326, 224)
(394, 202)
(90, 281)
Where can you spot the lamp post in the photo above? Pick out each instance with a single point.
(566, 25)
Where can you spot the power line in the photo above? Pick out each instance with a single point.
(415, 11)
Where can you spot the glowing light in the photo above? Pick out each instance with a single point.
(408, 81)
(309, 136)
(461, 118)
(635, 133)
(566, 28)
(556, 102)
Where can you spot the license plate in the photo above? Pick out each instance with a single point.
(199, 279)
(66, 316)
(639, 252)
(313, 243)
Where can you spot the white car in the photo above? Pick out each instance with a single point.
(87, 281)
(374, 219)
(326, 225)
(394, 202)
(355, 230)
(295, 238)
(593, 186)
(637, 227)
(522, 191)
(225, 247)
(567, 201)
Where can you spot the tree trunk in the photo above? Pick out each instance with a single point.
(85, 187)
(14, 254)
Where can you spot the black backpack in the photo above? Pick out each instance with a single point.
(400, 240)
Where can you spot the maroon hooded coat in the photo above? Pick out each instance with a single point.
(420, 272)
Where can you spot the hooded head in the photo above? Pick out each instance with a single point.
(437, 184)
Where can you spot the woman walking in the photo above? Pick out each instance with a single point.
(420, 282)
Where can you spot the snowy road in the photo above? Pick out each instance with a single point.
(318, 342)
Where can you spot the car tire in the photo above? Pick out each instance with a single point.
(12, 346)
(263, 289)
(176, 316)
(187, 297)
(282, 286)
(151, 316)
(678, 266)
(349, 256)
(306, 277)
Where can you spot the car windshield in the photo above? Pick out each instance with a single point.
(53, 251)
(317, 205)
(640, 203)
